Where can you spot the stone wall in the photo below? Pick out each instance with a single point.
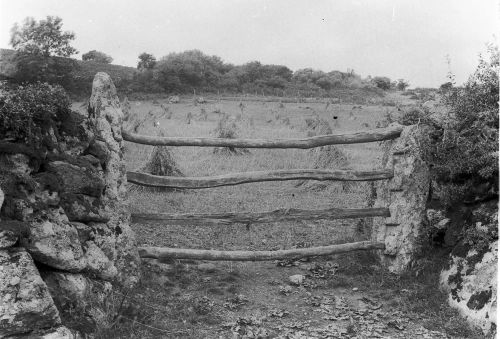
(470, 278)
(406, 197)
(64, 220)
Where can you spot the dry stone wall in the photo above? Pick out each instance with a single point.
(64, 220)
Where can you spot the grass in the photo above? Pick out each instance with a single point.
(179, 300)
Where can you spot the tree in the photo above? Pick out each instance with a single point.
(402, 84)
(146, 61)
(190, 69)
(97, 57)
(382, 82)
(33, 68)
(308, 75)
(325, 83)
(43, 37)
(447, 86)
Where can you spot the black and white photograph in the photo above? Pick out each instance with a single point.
(249, 169)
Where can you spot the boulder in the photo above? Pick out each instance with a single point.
(98, 264)
(45, 198)
(15, 164)
(84, 208)
(104, 238)
(15, 169)
(8, 239)
(29, 194)
(26, 303)
(77, 179)
(98, 149)
(52, 240)
(471, 276)
(61, 332)
(471, 283)
(11, 231)
(74, 133)
(48, 181)
(8, 236)
(67, 289)
(84, 231)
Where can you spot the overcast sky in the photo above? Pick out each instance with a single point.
(407, 39)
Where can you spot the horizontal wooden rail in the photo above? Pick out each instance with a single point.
(145, 179)
(180, 253)
(290, 214)
(317, 141)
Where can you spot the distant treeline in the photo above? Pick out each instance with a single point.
(187, 72)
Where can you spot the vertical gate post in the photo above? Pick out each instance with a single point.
(106, 118)
(405, 195)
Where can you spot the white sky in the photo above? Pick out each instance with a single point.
(396, 38)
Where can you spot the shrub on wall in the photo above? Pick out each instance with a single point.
(468, 150)
(464, 152)
(27, 112)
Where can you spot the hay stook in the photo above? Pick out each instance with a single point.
(160, 162)
(325, 157)
(228, 129)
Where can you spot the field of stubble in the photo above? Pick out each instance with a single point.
(258, 121)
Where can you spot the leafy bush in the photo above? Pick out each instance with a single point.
(413, 115)
(27, 112)
(468, 148)
(464, 152)
(402, 84)
(382, 82)
(97, 56)
(146, 61)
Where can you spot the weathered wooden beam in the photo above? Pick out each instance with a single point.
(289, 214)
(181, 253)
(146, 179)
(317, 141)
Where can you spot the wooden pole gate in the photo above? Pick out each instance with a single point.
(145, 179)
(290, 214)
